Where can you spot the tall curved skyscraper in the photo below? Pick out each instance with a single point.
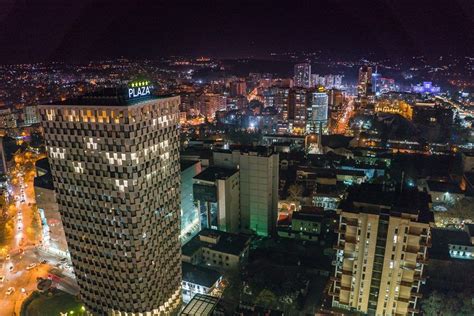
(114, 157)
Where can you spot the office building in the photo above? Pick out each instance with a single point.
(381, 251)
(115, 164)
(259, 179)
(317, 111)
(217, 196)
(198, 280)
(302, 75)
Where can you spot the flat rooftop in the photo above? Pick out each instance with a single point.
(214, 173)
(200, 305)
(185, 164)
(409, 201)
(228, 243)
(199, 275)
(109, 97)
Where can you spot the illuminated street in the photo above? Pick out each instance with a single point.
(345, 116)
(21, 255)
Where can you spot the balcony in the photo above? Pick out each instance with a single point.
(350, 221)
(345, 288)
(417, 294)
(403, 299)
(419, 277)
(411, 249)
(413, 310)
(338, 247)
(333, 293)
(422, 260)
(350, 240)
(347, 272)
(406, 284)
(340, 230)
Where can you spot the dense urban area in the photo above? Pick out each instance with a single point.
(298, 184)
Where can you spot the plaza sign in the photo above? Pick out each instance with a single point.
(139, 89)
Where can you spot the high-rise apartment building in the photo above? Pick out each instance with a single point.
(381, 251)
(259, 179)
(317, 111)
(297, 104)
(115, 164)
(302, 75)
(277, 97)
(364, 87)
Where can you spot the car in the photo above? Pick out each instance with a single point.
(7, 257)
(2, 278)
(31, 266)
(10, 290)
(44, 261)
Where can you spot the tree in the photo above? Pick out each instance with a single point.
(295, 192)
(266, 298)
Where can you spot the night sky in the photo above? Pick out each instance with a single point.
(78, 30)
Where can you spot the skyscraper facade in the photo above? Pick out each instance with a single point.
(381, 251)
(115, 163)
(302, 75)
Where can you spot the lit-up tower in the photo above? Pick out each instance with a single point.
(115, 163)
(317, 111)
(302, 75)
(364, 87)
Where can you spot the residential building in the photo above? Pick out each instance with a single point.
(317, 111)
(302, 75)
(381, 251)
(115, 165)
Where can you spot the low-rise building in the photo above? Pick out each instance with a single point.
(202, 305)
(198, 280)
(217, 249)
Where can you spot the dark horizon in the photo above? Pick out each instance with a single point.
(45, 30)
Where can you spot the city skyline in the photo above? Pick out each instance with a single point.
(214, 158)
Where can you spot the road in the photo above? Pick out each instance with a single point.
(344, 117)
(21, 247)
